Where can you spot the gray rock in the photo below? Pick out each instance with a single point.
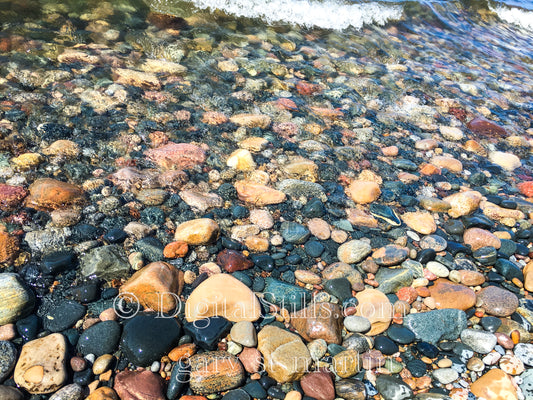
(294, 232)
(393, 388)
(10, 393)
(445, 375)
(436, 325)
(69, 392)
(297, 188)
(480, 341)
(48, 240)
(16, 299)
(8, 358)
(416, 268)
(392, 279)
(355, 323)
(524, 351)
(432, 396)
(107, 262)
(353, 251)
(527, 383)
(357, 342)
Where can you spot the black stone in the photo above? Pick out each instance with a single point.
(83, 378)
(491, 324)
(486, 255)
(455, 248)
(230, 244)
(115, 235)
(239, 212)
(64, 316)
(385, 345)
(255, 390)
(314, 209)
(84, 293)
(454, 227)
(339, 287)
(417, 368)
(400, 334)
(426, 255)
(109, 293)
(276, 392)
(267, 382)
(508, 269)
(179, 379)
(58, 261)
(478, 221)
(28, 327)
(263, 261)
(101, 338)
(151, 248)
(236, 394)
(147, 337)
(428, 350)
(206, 332)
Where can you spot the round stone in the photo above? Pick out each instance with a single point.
(8, 358)
(434, 242)
(445, 375)
(524, 352)
(100, 339)
(355, 323)
(497, 301)
(400, 334)
(480, 341)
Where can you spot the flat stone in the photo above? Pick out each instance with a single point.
(251, 120)
(41, 367)
(197, 231)
(63, 316)
(497, 301)
(297, 188)
(463, 203)
(445, 375)
(451, 295)
(355, 323)
(494, 385)
(147, 337)
(101, 338)
(390, 255)
(225, 296)
(241, 159)
(155, 286)
(343, 270)
(139, 385)
(207, 332)
(450, 163)
(9, 247)
(49, 194)
(480, 341)
(524, 352)
(420, 221)
(392, 279)
(286, 356)
(106, 262)
(318, 385)
(319, 321)
(354, 251)
(177, 156)
(215, 371)
(507, 161)
(258, 194)
(294, 232)
(350, 389)
(285, 295)
(376, 307)
(363, 192)
(201, 201)
(436, 325)
(16, 299)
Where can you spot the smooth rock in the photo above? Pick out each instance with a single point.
(497, 301)
(9, 247)
(10, 393)
(243, 332)
(376, 307)
(16, 299)
(106, 262)
(390, 255)
(319, 321)
(215, 371)
(69, 392)
(494, 385)
(139, 385)
(480, 341)
(222, 295)
(421, 222)
(355, 323)
(318, 385)
(445, 375)
(451, 295)
(63, 316)
(478, 238)
(290, 297)
(50, 194)
(353, 251)
(436, 325)
(232, 260)
(524, 352)
(101, 338)
(197, 232)
(392, 279)
(350, 389)
(258, 194)
(363, 192)
(8, 358)
(176, 156)
(463, 203)
(393, 388)
(286, 356)
(343, 270)
(207, 332)
(347, 363)
(41, 367)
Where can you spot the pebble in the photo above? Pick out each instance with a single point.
(294, 232)
(16, 299)
(350, 389)
(106, 262)
(391, 280)
(318, 385)
(481, 342)
(142, 385)
(445, 376)
(258, 194)
(207, 332)
(63, 316)
(363, 192)
(225, 296)
(250, 358)
(69, 392)
(100, 339)
(354, 251)
(8, 358)
(50, 194)
(494, 385)
(286, 356)
(451, 295)
(215, 371)
(102, 364)
(376, 307)
(436, 325)
(354, 323)
(317, 348)
(497, 301)
(347, 363)
(392, 388)
(10, 393)
(197, 231)
(421, 222)
(41, 367)
(524, 352)
(243, 332)
(290, 297)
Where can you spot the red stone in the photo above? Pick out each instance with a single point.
(176, 249)
(526, 188)
(407, 294)
(232, 260)
(49, 194)
(318, 385)
(286, 104)
(307, 89)
(483, 127)
(139, 385)
(11, 196)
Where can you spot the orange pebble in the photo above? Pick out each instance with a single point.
(515, 336)
(176, 249)
(182, 352)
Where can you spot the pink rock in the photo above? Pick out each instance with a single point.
(318, 385)
(250, 358)
(139, 385)
(173, 156)
(483, 127)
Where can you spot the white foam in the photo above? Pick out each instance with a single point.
(329, 14)
(516, 16)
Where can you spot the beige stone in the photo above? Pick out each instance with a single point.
(363, 192)
(286, 356)
(140, 79)
(463, 203)
(376, 307)
(493, 211)
(254, 143)
(528, 276)
(41, 366)
(197, 231)
(241, 160)
(258, 194)
(495, 385)
(421, 222)
(64, 148)
(251, 120)
(201, 201)
(478, 238)
(222, 295)
(507, 161)
(450, 163)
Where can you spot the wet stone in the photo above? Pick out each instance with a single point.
(400, 334)
(390, 280)
(497, 301)
(385, 345)
(285, 295)
(390, 255)
(393, 388)
(417, 368)
(56, 262)
(480, 341)
(16, 299)
(8, 358)
(207, 332)
(105, 262)
(436, 325)
(293, 232)
(339, 287)
(101, 338)
(64, 316)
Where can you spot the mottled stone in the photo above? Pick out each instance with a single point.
(436, 325)
(258, 194)
(176, 156)
(318, 385)
(16, 299)
(451, 295)
(232, 260)
(463, 203)
(319, 321)
(478, 238)
(197, 231)
(421, 222)
(497, 301)
(343, 270)
(215, 371)
(49, 194)
(353, 251)
(201, 201)
(495, 385)
(11, 196)
(139, 385)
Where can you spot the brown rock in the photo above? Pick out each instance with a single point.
(497, 301)
(483, 127)
(363, 192)
(251, 120)
(319, 321)
(421, 222)
(361, 218)
(528, 276)
(343, 270)
(140, 79)
(175, 156)
(256, 244)
(64, 148)
(215, 371)
(478, 238)
(450, 163)
(49, 194)
(103, 393)
(372, 359)
(232, 260)
(250, 358)
(306, 276)
(318, 385)
(156, 286)
(471, 278)
(8, 332)
(319, 228)
(452, 295)
(391, 254)
(9, 247)
(376, 307)
(11, 196)
(176, 249)
(258, 194)
(214, 118)
(286, 356)
(426, 144)
(495, 385)
(41, 366)
(463, 203)
(347, 363)
(182, 352)
(222, 295)
(197, 231)
(139, 385)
